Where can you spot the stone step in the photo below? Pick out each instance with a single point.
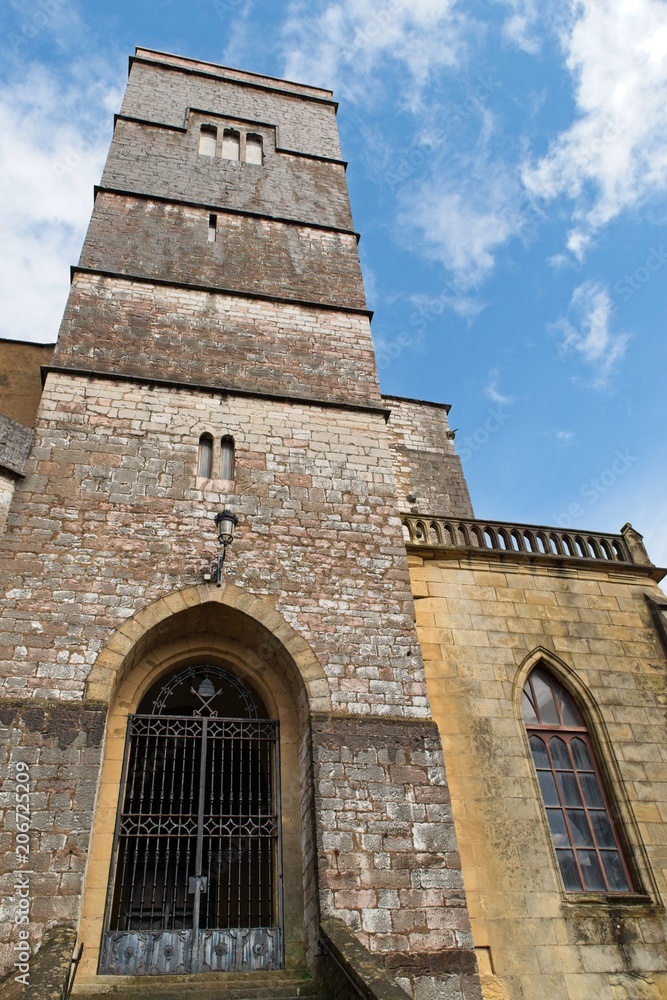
(199, 991)
(225, 985)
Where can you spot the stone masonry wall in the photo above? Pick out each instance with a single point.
(206, 338)
(161, 94)
(389, 858)
(111, 517)
(111, 506)
(425, 461)
(231, 73)
(163, 162)
(478, 621)
(60, 747)
(150, 239)
(7, 485)
(15, 443)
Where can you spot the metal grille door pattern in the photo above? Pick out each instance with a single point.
(197, 852)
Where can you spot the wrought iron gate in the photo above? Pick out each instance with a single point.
(196, 869)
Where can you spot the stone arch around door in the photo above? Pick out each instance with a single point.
(244, 636)
(243, 614)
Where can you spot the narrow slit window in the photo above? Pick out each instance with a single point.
(212, 228)
(584, 837)
(254, 149)
(231, 144)
(227, 448)
(205, 459)
(208, 138)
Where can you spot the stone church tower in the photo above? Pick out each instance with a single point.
(238, 766)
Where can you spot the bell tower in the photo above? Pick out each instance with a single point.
(220, 251)
(215, 353)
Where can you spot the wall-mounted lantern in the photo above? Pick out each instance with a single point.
(225, 522)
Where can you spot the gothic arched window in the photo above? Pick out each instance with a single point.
(582, 829)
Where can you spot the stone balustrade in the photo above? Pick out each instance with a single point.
(422, 530)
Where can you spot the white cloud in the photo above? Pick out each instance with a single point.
(614, 156)
(638, 496)
(520, 26)
(647, 508)
(238, 31)
(340, 43)
(462, 220)
(53, 141)
(564, 438)
(455, 203)
(492, 391)
(453, 296)
(587, 331)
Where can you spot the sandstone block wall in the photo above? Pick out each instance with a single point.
(20, 380)
(478, 622)
(425, 461)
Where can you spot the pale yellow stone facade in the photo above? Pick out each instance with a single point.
(484, 622)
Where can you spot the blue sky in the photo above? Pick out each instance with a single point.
(508, 174)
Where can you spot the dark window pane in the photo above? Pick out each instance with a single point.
(614, 870)
(540, 755)
(580, 830)
(548, 786)
(568, 787)
(545, 700)
(558, 828)
(592, 792)
(602, 831)
(568, 870)
(582, 758)
(590, 869)
(561, 757)
(529, 713)
(569, 710)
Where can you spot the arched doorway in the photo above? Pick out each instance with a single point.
(196, 871)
